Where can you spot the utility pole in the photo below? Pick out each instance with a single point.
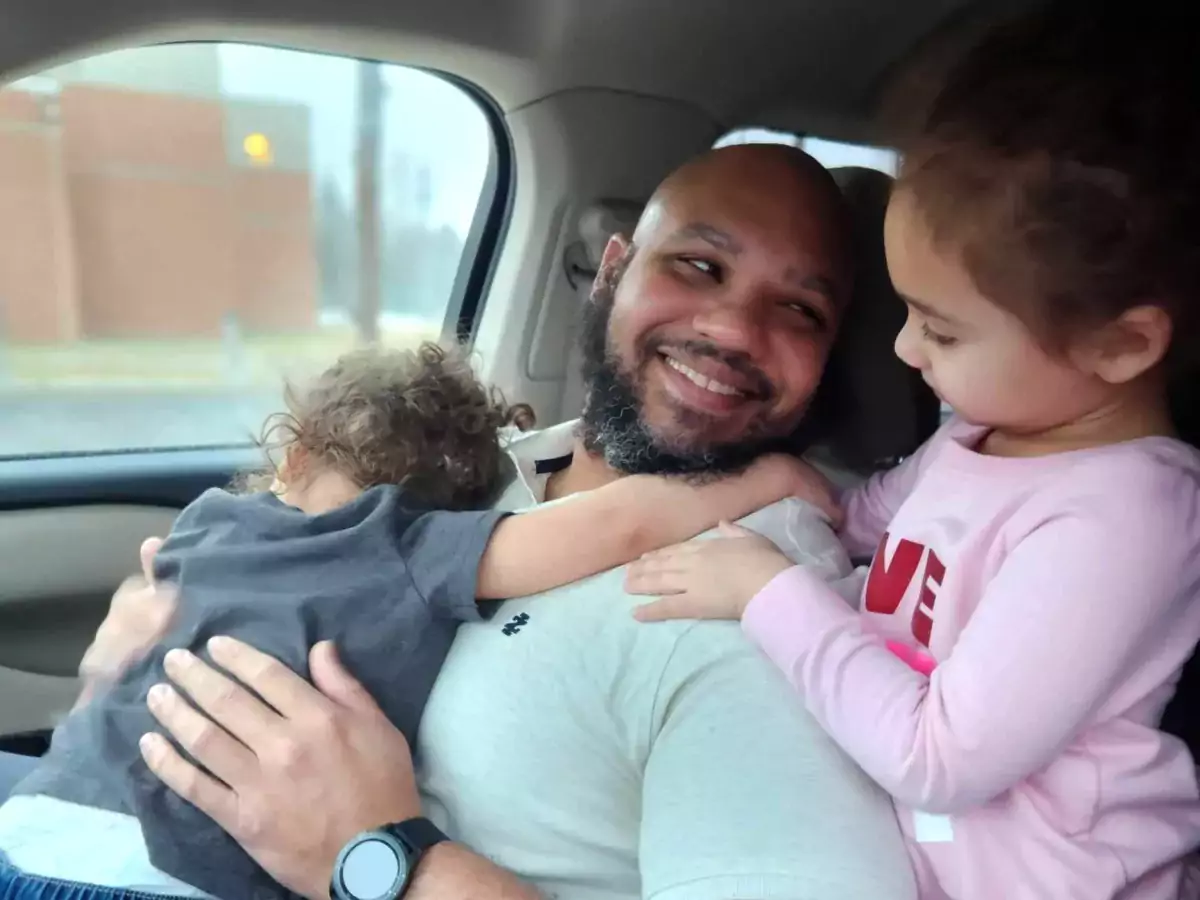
(370, 137)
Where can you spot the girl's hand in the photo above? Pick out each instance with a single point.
(710, 579)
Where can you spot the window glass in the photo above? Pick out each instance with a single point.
(187, 225)
(829, 153)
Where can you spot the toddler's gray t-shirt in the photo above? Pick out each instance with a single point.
(387, 581)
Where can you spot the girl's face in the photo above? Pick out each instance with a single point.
(979, 358)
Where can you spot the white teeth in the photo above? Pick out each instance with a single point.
(700, 380)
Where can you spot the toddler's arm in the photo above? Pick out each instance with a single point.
(615, 524)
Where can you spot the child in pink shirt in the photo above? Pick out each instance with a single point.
(1034, 588)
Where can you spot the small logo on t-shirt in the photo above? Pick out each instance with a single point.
(515, 625)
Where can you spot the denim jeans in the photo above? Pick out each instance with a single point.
(16, 885)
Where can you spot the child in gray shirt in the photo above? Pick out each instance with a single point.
(374, 532)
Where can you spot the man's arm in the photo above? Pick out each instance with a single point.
(327, 748)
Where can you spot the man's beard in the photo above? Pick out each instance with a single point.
(612, 424)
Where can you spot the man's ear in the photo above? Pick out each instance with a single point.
(615, 253)
(1129, 346)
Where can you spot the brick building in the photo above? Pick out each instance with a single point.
(126, 212)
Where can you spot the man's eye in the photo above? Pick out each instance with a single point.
(941, 340)
(814, 315)
(703, 266)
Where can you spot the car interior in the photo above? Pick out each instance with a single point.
(579, 109)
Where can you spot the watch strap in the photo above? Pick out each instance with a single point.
(418, 835)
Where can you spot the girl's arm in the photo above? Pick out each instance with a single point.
(1078, 607)
(615, 524)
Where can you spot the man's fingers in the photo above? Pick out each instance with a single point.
(332, 680)
(203, 791)
(206, 741)
(268, 677)
(147, 552)
(223, 700)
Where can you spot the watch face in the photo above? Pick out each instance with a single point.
(373, 869)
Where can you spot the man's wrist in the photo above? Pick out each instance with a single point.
(452, 870)
(439, 855)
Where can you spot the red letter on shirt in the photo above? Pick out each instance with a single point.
(922, 620)
(886, 584)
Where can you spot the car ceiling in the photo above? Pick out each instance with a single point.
(734, 59)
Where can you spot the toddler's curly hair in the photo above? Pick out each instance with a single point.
(416, 418)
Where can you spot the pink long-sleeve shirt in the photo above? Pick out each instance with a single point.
(1057, 599)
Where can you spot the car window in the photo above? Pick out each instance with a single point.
(829, 153)
(186, 225)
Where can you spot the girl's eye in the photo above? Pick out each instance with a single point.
(940, 339)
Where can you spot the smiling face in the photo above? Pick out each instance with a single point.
(708, 334)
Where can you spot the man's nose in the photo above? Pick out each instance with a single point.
(908, 345)
(729, 325)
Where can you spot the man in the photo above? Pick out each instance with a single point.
(585, 755)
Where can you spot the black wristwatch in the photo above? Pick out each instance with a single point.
(378, 864)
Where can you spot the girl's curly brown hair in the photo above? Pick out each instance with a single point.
(416, 418)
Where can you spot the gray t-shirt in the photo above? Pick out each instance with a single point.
(387, 581)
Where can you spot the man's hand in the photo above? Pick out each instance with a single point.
(305, 773)
(713, 579)
(140, 612)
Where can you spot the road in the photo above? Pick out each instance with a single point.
(36, 422)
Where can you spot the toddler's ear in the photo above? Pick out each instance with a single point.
(291, 469)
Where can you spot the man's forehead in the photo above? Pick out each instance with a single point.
(737, 213)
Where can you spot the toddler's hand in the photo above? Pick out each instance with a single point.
(706, 579)
(141, 611)
(803, 481)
